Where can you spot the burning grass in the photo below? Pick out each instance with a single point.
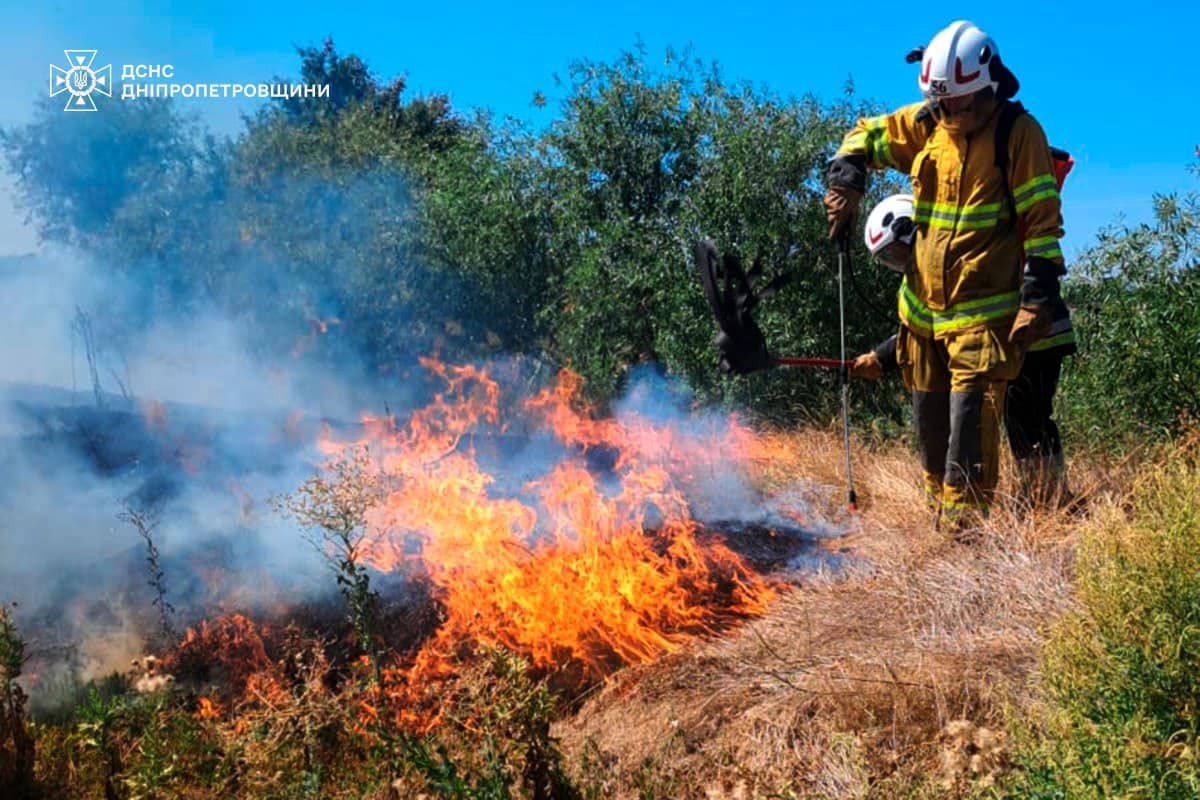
(604, 626)
(579, 572)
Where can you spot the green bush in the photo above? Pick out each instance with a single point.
(1121, 675)
(642, 164)
(1136, 302)
(16, 742)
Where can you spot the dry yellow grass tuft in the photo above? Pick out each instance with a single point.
(852, 685)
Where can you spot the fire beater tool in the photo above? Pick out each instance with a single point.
(734, 293)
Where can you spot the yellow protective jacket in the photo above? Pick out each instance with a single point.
(967, 272)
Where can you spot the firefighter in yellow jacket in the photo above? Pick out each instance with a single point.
(969, 307)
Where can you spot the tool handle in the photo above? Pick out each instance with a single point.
(826, 363)
(843, 267)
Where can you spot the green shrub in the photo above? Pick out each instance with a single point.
(644, 162)
(1136, 302)
(16, 743)
(1121, 674)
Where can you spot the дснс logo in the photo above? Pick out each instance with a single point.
(80, 80)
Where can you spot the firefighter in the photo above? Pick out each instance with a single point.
(968, 307)
(1033, 435)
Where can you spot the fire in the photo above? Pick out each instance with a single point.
(689, 454)
(597, 571)
(154, 413)
(316, 327)
(208, 709)
(232, 648)
(758, 447)
(175, 444)
(591, 560)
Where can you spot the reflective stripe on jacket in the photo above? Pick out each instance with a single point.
(969, 314)
(967, 270)
(1062, 334)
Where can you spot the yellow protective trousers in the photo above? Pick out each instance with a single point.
(958, 384)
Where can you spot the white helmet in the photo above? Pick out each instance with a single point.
(960, 60)
(889, 223)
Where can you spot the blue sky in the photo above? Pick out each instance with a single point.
(1114, 85)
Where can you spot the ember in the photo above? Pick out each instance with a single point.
(316, 327)
(229, 651)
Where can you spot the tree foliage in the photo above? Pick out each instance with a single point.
(1136, 301)
(423, 230)
(420, 229)
(645, 162)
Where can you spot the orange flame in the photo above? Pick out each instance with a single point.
(175, 445)
(574, 570)
(316, 327)
(208, 709)
(580, 570)
(230, 647)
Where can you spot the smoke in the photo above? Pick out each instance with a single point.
(723, 493)
(179, 362)
(190, 423)
(194, 415)
(182, 418)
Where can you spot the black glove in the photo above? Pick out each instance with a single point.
(1040, 287)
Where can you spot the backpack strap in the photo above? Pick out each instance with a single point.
(925, 118)
(1008, 116)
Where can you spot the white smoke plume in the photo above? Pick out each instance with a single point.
(182, 420)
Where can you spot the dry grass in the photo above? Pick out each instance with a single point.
(854, 685)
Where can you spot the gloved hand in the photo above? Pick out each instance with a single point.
(841, 208)
(867, 366)
(1031, 324)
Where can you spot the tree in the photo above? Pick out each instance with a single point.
(641, 164)
(1136, 302)
(414, 226)
(76, 172)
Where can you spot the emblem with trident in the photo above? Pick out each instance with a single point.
(80, 80)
